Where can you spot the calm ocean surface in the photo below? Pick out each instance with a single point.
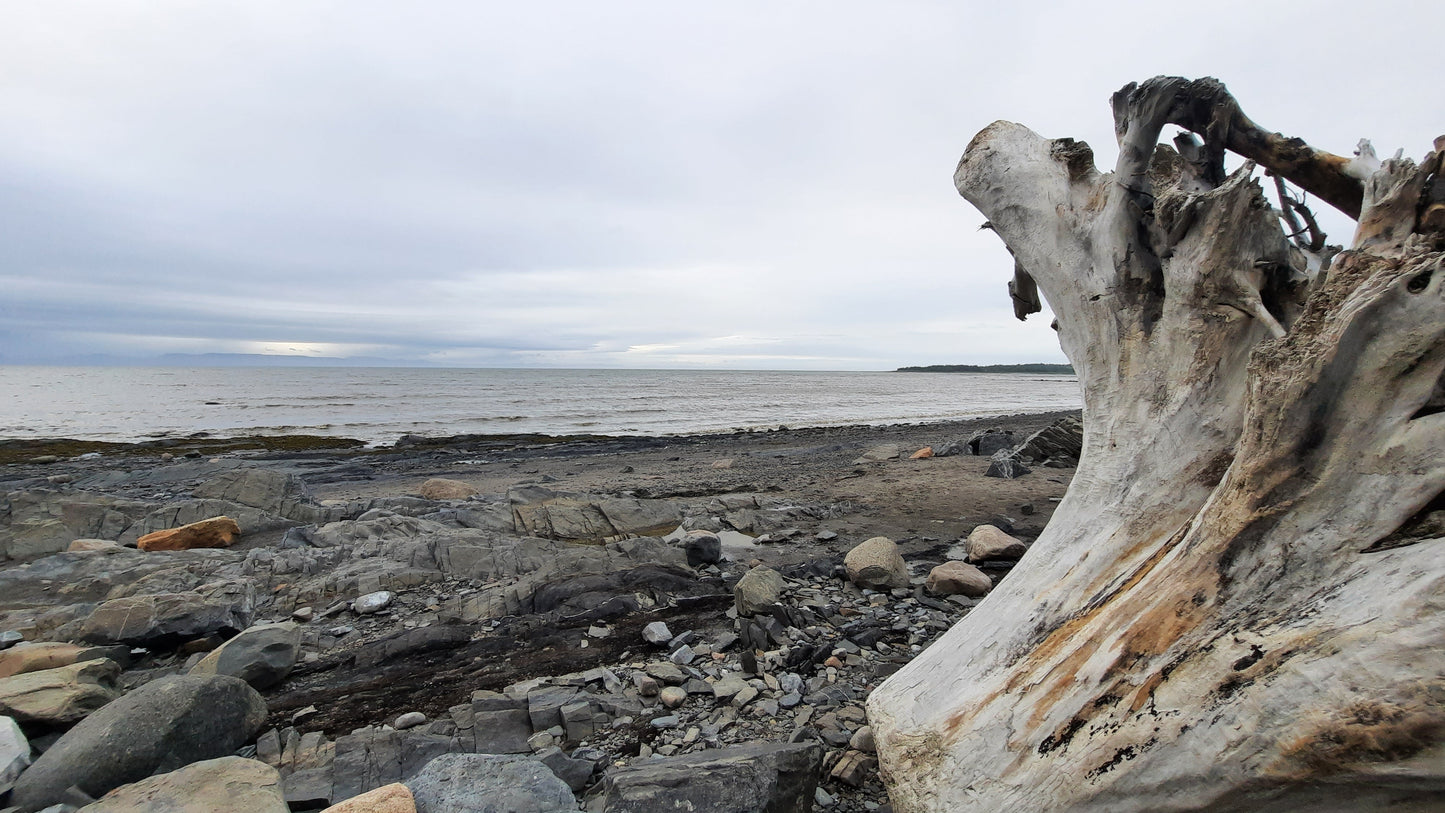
(379, 405)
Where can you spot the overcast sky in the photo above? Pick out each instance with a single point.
(587, 184)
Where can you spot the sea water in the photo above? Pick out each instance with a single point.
(378, 405)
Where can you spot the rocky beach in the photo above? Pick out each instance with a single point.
(491, 622)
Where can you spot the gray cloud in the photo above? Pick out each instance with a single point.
(566, 183)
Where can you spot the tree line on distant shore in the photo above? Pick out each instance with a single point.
(1067, 369)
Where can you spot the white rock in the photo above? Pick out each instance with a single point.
(373, 602)
(656, 633)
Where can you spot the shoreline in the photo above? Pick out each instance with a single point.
(24, 450)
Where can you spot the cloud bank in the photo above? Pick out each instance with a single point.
(577, 184)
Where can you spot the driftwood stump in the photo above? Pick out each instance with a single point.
(1238, 605)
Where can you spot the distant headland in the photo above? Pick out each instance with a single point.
(1064, 369)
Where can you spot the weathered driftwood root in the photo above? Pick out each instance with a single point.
(1239, 603)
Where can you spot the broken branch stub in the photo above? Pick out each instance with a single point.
(1238, 605)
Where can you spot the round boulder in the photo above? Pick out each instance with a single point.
(876, 563)
(163, 725)
(989, 543)
(958, 578)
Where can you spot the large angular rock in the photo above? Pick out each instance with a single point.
(497, 724)
(370, 757)
(1057, 445)
(1005, 465)
(988, 543)
(876, 563)
(758, 590)
(216, 532)
(170, 617)
(59, 696)
(163, 725)
(14, 753)
(223, 785)
(262, 655)
(703, 548)
(487, 783)
(752, 778)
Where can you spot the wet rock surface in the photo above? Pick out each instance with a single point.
(619, 616)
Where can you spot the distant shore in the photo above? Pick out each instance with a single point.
(1048, 369)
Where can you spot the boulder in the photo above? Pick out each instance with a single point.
(487, 783)
(988, 543)
(216, 532)
(758, 590)
(876, 563)
(161, 618)
(958, 578)
(393, 798)
(575, 772)
(59, 696)
(988, 442)
(752, 778)
(224, 785)
(922, 454)
(163, 725)
(262, 655)
(1005, 465)
(703, 548)
(440, 488)
(33, 658)
(500, 724)
(14, 753)
(1057, 445)
(657, 633)
(370, 757)
(372, 602)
